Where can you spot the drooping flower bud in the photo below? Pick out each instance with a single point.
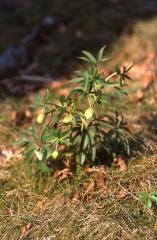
(89, 113)
(39, 155)
(68, 118)
(41, 118)
(55, 154)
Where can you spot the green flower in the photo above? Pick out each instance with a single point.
(41, 118)
(55, 154)
(89, 113)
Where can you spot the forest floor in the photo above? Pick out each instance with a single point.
(37, 207)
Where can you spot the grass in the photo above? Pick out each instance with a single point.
(37, 207)
(49, 208)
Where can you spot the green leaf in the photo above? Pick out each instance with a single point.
(125, 92)
(76, 80)
(89, 56)
(128, 67)
(118, 71)
(92, 145)
(76, 139)
(62, 100)
(105, 59)
(37, 102)
(85, 141)
(82, 158)
(85, 59)
(43, 168)
(30, 154)
(112, 84)
(35, 132)
(143, 196)
(153, 197)
(44, 130)
(22, 142)
(100, 53)
(148, 203)
(56, 116)
(77, 90)
(46, 96)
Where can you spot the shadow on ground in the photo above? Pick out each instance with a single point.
(85, 25)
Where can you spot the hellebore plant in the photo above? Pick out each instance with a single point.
(68, 130)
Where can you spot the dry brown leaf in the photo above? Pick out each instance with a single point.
(28, 114)
(90, 185)
(89, 170)
(120, 162)
(101, 178)
(77, 196)
(63, 91)
(6, 155)
(139, 95)
(21, 117)
(40, 204)
(13, 116)
(57, 84)
(25, 230)
(99, 173)
(122, 194)
(147, 80)
(63, 174)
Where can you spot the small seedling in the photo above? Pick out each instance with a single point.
(148, 199)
